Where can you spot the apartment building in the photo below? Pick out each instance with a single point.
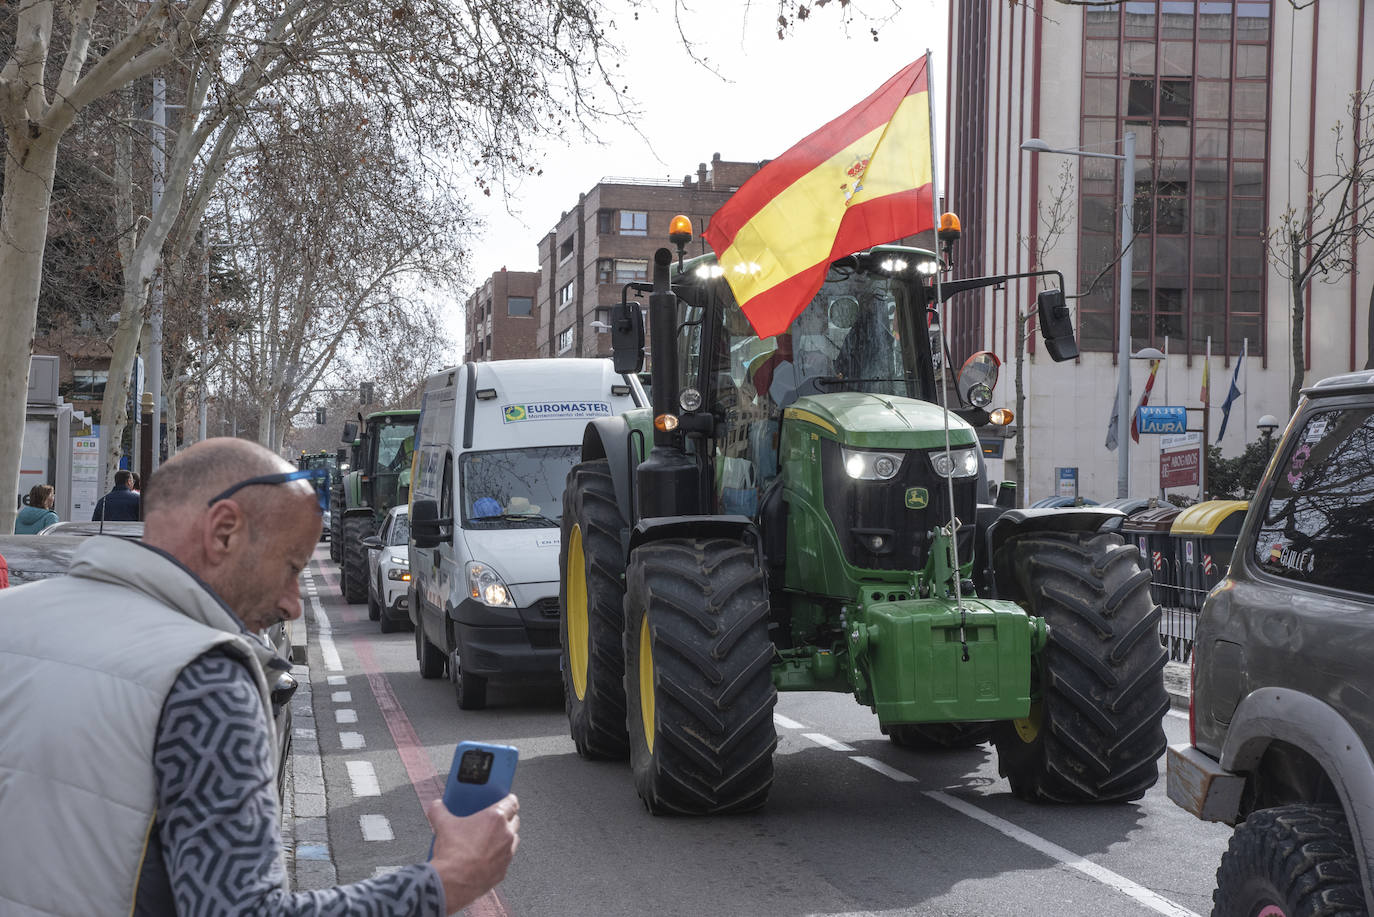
(499, 318)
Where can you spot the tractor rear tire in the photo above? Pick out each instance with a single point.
(1096, 731)
(939, 736)
(591, 619)
(698, 677)
(336, 509)
(1293, 860)
(354, 572)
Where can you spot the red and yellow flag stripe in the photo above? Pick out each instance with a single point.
(862, 180)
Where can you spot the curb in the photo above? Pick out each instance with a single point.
(310, 861)
(1177, 681)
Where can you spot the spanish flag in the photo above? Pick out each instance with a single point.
(864, 179)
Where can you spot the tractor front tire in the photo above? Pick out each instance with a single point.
(1096, 730)
(336, 508)
(698, 677)
(1295, 860)
(591, 620)
(354, 571)
(939, 736)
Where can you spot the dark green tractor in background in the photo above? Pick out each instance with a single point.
(329, 462)
(798, 514)
(377, 478)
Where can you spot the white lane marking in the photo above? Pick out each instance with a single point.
(376, 828)
(363, 778)
(337, 680)
(1179, 714)
(1133, 890)
(327, 648)
(884, 769)
(785, 723)
(345, 716)
(825, 740)
(342, 697)
(352, 741)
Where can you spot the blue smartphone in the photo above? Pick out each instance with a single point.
(481, 775)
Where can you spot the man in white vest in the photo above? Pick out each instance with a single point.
(137, 754)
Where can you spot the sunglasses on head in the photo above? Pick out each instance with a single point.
(318, 478)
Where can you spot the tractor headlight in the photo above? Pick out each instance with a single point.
(486, 585)
(959, 463)
(871, 466)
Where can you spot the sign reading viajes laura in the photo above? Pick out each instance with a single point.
(555, 410)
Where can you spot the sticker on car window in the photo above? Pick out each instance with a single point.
(1315, 430)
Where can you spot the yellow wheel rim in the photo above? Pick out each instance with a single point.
(1029, 728)
(575, 591)
(646, 682)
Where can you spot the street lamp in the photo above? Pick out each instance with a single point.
(1267, 425)
(1123, 337)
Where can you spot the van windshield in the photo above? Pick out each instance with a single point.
(515, 488)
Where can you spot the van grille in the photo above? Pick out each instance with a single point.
(547, 608)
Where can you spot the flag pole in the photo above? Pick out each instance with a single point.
(1245, 393)
(944, 368)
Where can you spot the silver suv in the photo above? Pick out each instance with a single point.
(1281, 721)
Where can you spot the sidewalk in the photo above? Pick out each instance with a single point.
(1177, 681)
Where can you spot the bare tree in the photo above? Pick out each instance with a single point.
(1316, 239)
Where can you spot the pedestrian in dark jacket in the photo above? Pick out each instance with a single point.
(121, 504)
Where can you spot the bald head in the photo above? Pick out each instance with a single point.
(190, 478)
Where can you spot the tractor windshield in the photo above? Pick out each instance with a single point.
(394, 448)
(515, 488)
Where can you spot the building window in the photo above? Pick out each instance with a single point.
(627, 271)
(89, 383)
(605, 270)
(604, 221)
(634, 223)
(1190, 80)
(565, 249)
(565, 340)
(565, 295)
(519, 305)
(486, 345)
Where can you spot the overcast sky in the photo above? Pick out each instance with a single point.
(773, 94)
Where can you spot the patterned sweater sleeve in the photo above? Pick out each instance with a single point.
(218, 819)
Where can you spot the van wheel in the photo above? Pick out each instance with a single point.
(1288, 861)
(430, 656)
(374, 607)
(591, 567)
(469, 689)
(389, 624)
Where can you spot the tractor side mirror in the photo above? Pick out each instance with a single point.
(350, 432)
(627, 337)
(1056, 325)
(426, 528)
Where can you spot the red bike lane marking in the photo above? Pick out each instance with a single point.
(419, 768)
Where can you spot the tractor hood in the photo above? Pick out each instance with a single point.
(880, 421)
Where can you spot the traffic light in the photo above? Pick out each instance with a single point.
(365, 393)
(319, 417)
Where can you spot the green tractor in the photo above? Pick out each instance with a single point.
(798, 513)
(378, 478)
(330, 463)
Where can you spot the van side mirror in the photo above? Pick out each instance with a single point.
(426, 528)
(350, 432)
(1056, 326)
(627, 337)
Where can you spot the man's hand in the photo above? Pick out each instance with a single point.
(471, 854)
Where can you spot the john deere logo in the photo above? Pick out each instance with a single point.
(514, 412)
(917, 498)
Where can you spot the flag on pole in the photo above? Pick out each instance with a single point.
(1111, 427)
(1234, 393)
(1144, 398)
(864, 179)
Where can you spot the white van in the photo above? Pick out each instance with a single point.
(495, 445)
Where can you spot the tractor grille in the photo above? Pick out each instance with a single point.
(861, 509)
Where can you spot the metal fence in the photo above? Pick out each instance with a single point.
(1179, 604)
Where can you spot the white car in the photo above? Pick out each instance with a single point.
(388, 571)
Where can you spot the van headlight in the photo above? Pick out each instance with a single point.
(959, 463)
(486, 586)
(870, 466)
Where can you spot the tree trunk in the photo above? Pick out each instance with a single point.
(1299, 352)
(29, 168)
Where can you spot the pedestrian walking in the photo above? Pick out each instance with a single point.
(123, 504)
(38, 514)
(138, 771)
(4, 573)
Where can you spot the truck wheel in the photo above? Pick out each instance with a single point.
(1096, 730)
(430, 656)
(354, 573)
(469, 689)
(591, 567)
(939, 736)
(1289, 861)
(698, 677)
